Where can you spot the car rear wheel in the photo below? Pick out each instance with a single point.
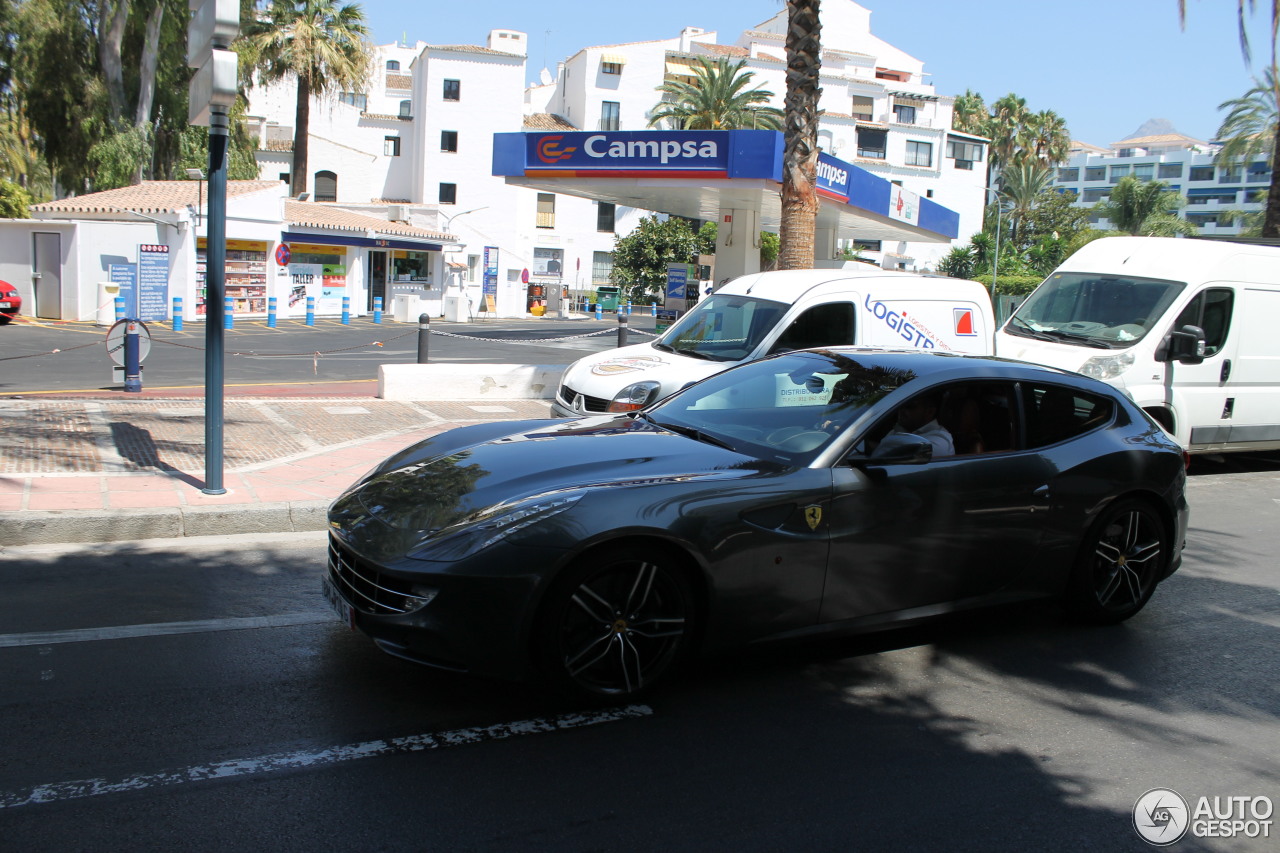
(1120, 563)
(616, 623)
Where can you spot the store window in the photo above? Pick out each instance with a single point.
(448, 193)
(606, 214)
(244, 276)
(391, 146)
(410, 267)
(453, 90)
(326, 186)
(601, 267)
(319, 272)
(448, 140)
(548, 262)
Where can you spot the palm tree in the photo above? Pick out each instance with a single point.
(1249, 130)
(1147, 208)
(717, 99)
(1050, 139)
(800, 147)
(1020, 186)
(1271, 222)
(325, 46)
(969, 114)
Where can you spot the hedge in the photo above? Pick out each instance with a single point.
(1011, 285)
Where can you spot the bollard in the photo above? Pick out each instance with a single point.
(228, 317)
(176, 323)
(132, 366)
(622, 329)
(311, 310)
(271, 312)
(424, 337)
(346, 310)
(377, 309)
(599, 312)
(653, 309)
(119, 307)
(628, 307)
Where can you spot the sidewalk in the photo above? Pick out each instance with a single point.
(117, 469)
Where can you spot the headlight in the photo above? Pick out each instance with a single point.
(1107, 366)
(482, 529)
(635, 396)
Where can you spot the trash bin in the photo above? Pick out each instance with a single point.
(106, 313)
(608, 297)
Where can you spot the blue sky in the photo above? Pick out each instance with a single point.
(1105, 65)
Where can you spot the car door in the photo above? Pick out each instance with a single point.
(1205, 405)
(956, 527)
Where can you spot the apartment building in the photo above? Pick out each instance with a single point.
(1214, 196)
(417, 146)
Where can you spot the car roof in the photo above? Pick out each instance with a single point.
(934, 366)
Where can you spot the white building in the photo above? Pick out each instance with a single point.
(1214, 195)
(417, 146)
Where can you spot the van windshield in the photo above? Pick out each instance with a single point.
(1093, 310)
(723, 328)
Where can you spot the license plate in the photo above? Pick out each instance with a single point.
(345, 611)
(5, 305)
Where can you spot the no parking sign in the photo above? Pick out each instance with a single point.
(283, 254)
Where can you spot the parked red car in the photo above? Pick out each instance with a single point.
(10, 302)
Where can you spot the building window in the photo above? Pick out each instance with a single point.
(1095, 173)
(863, 107)
(904, 114)
(361, 102)
(871, 143)
(406, 108)
(965, 154)
(448, 193)
(1170, 170)
(453, 90)
(548, 262)
(1069, 175)
(919, 153)
(867, 245)
(1144, 171)
(1258, 172)
(610, 67)
(1255, 196)
(1095, 195)
(601, 267)
(610, 115)
(605, 215)
(1201, 173)
(546, 210)
(391, 146)
(1118, 172)
(393, 65)
(473, 264)
(1229, 175)
(285, 177)
(326, 184)
(448, 140)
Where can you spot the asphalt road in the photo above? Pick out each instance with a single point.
(199, 696)
(73, 356)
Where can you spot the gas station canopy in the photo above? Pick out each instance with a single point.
(704, 174)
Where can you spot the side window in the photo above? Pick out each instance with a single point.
(1211, 311)
(820, 326)
(1054, 413)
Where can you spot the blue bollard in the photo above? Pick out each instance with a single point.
(628, 308)
(228, 318)
(599, 312)
(119, 307)
(132, 358)
(653, 309)
(377, 309)
(271, 312)
(311, 310)
(177, 313)
(346, 310)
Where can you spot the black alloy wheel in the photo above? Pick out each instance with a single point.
(1120, 563)
(616, 623)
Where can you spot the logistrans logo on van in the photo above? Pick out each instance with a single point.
(614, 366)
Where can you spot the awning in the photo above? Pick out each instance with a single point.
(397, 242)
(613, 58)
(680, 69)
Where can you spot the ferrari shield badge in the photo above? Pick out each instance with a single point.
(813, 515)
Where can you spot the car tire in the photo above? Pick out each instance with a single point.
(5, 318)
(616, 623)
(1121, 560)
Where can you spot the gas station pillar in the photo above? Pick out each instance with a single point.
(824, 244)
(737, 243)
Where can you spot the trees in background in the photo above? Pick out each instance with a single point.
(640, 258)
(716, 99)
(1146, 208)
(1017, 134)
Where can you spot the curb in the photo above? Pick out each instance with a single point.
(67, 527)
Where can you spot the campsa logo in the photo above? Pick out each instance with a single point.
(663, 150)
(549, 150)
(832, 174)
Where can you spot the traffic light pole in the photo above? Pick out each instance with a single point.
(214, 303)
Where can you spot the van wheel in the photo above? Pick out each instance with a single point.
(1119, 563)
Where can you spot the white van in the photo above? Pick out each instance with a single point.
(1190, 329)
(764, 313)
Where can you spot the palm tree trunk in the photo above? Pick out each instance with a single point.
(301, 135)
(1271, 221)
(800, 152)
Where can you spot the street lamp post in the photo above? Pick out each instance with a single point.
(448, 220)
(995, 263)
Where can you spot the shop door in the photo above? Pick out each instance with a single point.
(378, 280)
(46, 275)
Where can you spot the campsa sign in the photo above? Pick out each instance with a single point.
(626, 152)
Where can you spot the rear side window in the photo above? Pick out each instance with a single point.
(1053, 413)
(820, 326)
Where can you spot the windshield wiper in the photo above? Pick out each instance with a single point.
(693, 353)
(1024, 328)
(689, 432)
(1087, 340)
(663, 347)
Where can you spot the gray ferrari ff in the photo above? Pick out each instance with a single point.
(782, 498)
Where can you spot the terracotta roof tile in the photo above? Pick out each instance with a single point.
(314, 215)
(474, 48)
(149, 197)
(399, 81)
(548, 121)
(725, 49)
(1159, 139)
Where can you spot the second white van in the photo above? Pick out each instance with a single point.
(770, 312)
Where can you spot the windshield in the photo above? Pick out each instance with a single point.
(1088, 309)
(786, 409)
(724, 328)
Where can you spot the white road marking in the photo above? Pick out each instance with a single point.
(82, 788)
(158, 629)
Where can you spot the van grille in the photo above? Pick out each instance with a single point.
(591, 404)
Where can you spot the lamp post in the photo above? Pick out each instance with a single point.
(198, 175)
(448, 220)
(995, 263)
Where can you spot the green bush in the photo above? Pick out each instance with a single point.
(1011, 285)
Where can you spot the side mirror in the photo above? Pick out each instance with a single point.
(1186, 345)
(902, 449)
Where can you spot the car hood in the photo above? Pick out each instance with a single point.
(419, 495)
(606, 373)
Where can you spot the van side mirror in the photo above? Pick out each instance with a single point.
(1186, 345)
(902, 449)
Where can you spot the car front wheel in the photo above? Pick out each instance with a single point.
(616, 623)
(1120, 563)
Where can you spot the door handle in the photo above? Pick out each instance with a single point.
(1040, 499)
(1226, 370)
